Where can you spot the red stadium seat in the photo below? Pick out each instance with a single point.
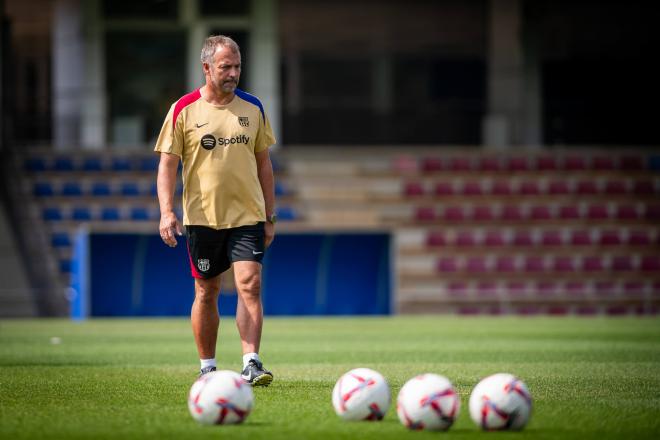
(512, 213)
(432, 164)
(447, 264)
(563, 264)
(413, 189)
(454, 213)
(575, 163)
(476, 265)
(552, 238)
(505, 264)
(631, 163)
(529, 187)
(487, 289)
(523, 238)
(652, 212)
(650, 263)
(598, 212)
(425, 214)
(575, 289)
(489, 163)
(569, 212)
(627, 212)
(586, 187)
(581, 237)
(444, 189)
(639, 238)
(605, 288)
(622, 263)
(460, 164)
(610, 237)
(633, 288)
(518, 164)
(501, 188)
(494, 238)
(643, 187)
(602, 163)
(436, 238)
(559, 187)
(546, 288)
(466, 238)
(472, 188)
(516, 289)
(616, 187)
(546, 163)
(534, 264)
(592, 264)
(483, 213)
(405, 164)
(457, 288)
(541, 212)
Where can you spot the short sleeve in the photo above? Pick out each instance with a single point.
(265, 136)
(170, 139)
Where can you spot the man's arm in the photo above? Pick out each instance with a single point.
(166, 183)
(267, 181)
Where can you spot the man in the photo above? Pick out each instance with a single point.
(221, 135)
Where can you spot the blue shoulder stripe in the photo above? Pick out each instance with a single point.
(251, 99)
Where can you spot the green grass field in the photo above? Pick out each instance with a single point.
(590, 378)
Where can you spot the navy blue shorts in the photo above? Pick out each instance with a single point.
(212, 251)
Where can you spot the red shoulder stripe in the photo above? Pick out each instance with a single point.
(183, 102)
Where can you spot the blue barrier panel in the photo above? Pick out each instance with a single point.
(304, 274)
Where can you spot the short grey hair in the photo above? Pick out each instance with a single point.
(212, 43)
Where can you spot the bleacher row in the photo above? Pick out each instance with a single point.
(475, 231)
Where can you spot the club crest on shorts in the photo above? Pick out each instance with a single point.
(243, 121)
(203, 264)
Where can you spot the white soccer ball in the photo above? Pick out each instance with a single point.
(220, 398)
(361, 394)
(499, 402)
(428, 401)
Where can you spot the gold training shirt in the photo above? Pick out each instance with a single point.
(216, 145)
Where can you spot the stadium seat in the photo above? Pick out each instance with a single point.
(639, 238)
(457, 289)
(534, 264)
(633, 288)
(60, 239)
(483, 213)
(130, 189)
(605, 288)
(546, 163)
(459, 163)
(546, 288)
(92, 164)
(486, 289)
(529, 188)
(447, 264)
(615, 187)
(541, 212)
(563, 264)
(34, 164)
(512, 213)
(476, 265)
(650, 263)
(575, 288)
(602, 163)
(598, 212)
(575, 163)
(581, 237)
(586, 187)
(444, 189)
(505, 263)
(100, 189)
(516, 289)
(139, 214)
(149, 163)
(436, 238)
(286, 213)
(494, 238)
(627, 212)
(523, 237)
(501, 188)
(43, 189)
(592, 264)
(71, 189)
(81, 213)
(472, 188)
(52, 213)
(281, 189)
(652, 212)
(557, 187)
(110, 213)
(631, 163)
(429, 165)
(121, 164)
(489, 163)
(466, 238)
(425, 214)
(643, 187)
(552, 237)
(520, 163)
(622, 263)
(610, 237)
(413, 189)
(454, 213)
(65, 266)
(63, 164)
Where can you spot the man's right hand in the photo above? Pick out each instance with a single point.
(170, 228)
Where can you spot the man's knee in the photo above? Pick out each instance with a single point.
(207, 291)
(249, 284)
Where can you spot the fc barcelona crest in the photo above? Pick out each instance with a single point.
(243, 121)
(203, 264)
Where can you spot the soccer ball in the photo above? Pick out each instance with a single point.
(220, 398)
(428, 401)
(361, 394)
(499, 402)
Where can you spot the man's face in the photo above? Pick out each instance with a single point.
(225, 70)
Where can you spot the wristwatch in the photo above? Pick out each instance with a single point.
(272, 218)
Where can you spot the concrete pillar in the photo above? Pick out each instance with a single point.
(94, 111)
(67, 73)
(264, 60)
(514, 79)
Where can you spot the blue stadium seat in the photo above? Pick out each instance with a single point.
(130, 189)
(110, 213)
(71, 189)
(121, 164)
(63, 164)
(92, 164)
(153, 190)
(65, 266)
(149, 163)
(281, 189)
(43, 189)
(35, 164)
(101, 189)
(286, 213)
(52, 214)
(60, 239)
(140, 214)
(81, 213)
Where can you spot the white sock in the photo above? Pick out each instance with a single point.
(207, 363)
(248, 356)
